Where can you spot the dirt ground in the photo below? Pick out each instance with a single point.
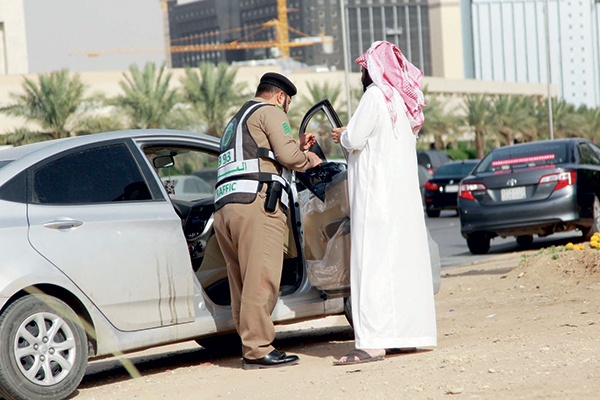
(518, 326)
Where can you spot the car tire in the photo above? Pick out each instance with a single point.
(525, 240)
(41, 362)
(478, 244)
(433, 213)
(589, 231)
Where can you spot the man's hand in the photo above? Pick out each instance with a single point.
(336, 133)
(313, 159)
(307, 141)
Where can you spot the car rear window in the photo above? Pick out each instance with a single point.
(538, 155)
(461, 169)
(107, 173)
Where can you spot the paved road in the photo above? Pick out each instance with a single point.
(445, 230)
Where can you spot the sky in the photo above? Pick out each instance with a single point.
(57, 30)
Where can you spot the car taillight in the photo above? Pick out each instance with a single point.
(562, 179)
(465, 190)
(431, 186)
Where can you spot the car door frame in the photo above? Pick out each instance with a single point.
(327, 109)
(173, 304)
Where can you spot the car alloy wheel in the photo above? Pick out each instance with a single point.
(43, 349)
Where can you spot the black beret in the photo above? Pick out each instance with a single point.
(283, 83)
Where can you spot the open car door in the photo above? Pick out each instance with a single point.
(324, 206)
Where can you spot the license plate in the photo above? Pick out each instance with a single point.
(451, 188)
(515, 193)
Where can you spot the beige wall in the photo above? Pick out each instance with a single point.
(108, 84)
(13, 43)
(446, 39)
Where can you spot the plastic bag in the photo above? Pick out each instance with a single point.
(333, 271)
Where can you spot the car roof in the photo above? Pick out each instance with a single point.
(470, 161)
(14, 153)
(22, 156)
(542, 142)
(435, 157)
(451, 163)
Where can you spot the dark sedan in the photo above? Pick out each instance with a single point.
(441, 190)
(529, 189)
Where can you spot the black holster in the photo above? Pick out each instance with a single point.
(273, 195)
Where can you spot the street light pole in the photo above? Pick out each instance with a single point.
(548, 69)
(345, 50)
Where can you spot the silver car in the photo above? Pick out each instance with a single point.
(97, 259)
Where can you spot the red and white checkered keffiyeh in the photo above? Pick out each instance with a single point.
(392, 72)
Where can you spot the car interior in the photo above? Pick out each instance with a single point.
(197, 224)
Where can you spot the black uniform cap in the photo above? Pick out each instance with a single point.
(283, 83)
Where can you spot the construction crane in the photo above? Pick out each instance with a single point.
(281, 42)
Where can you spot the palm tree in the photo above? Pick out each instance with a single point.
(512, 117)
(213, 94)
(592, 122)
(147, 99)
(439, 123)
(567, 121)
(53, 103)
(318, 91)
(478, 116)
(21, 136)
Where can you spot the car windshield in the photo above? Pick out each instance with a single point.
(538, 155)
(458, 169)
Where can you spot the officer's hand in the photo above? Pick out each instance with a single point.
(336, 133)
(313, 159)
(307, 141)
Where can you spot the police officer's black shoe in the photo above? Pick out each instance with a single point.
(274, 359)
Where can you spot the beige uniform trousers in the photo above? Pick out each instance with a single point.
(252, 244)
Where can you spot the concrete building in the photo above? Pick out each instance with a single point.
(424, 29)
(203, 22)
(13, 43)
(497, 40)
(513, 41)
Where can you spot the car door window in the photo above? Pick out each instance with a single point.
(94, 175)
(191, 177)
(588, 155)
(596, 150)
(320, 119)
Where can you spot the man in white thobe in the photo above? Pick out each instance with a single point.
(391, 280)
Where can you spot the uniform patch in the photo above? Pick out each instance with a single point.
(287, 129)
(228, 134)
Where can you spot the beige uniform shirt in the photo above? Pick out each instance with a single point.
(270, 128)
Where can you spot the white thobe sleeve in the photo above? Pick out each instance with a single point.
(364, 121)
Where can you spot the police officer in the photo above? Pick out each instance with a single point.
(251, 199)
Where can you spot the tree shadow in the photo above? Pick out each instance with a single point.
(303, 341)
